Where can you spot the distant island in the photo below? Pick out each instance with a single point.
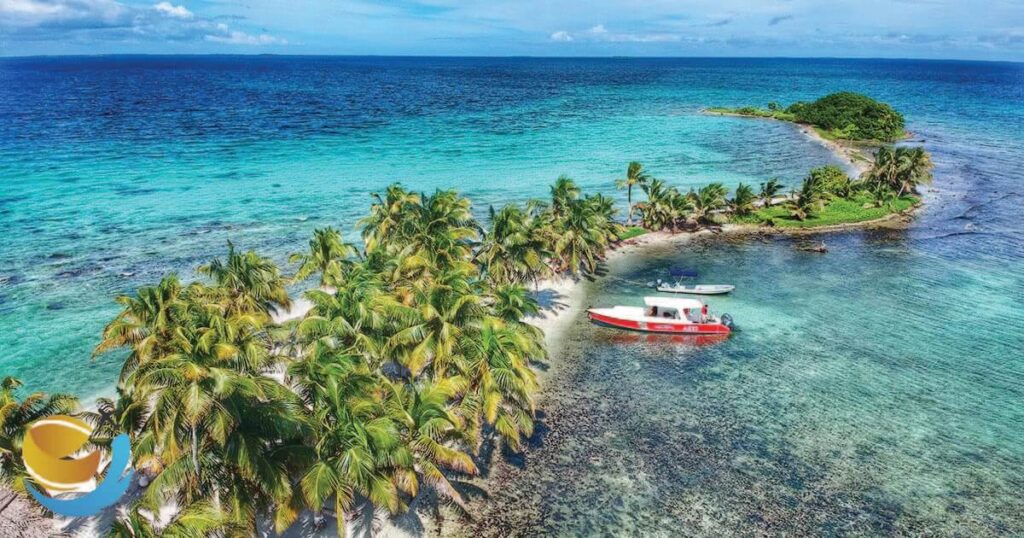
(855, 127)
(845, 116)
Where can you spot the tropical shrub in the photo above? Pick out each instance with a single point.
(852, 116)
(832, 181)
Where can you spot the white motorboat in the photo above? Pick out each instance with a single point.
(695, 289)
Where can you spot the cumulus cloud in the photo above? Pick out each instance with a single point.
(171, 10)
(109, 20)
(561, 35)
(599, 33)
(64, 14)
(235, 37)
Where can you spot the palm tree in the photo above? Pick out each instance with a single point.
(501, 383)
(915, 169)
(249, 283)
(356, 443)
(221, 427)
(199, 519)
(429, 428)
(664, 207)
(444, 229)
(328, 255)
(882, 196)
(384, 225)
(445, 309)
(580, 240)
(127, 413)
(742, 202)
(15, 418)
(604, 215)
(145, 324)
(514, 250)
(807, 200)
(513, 303)
(707, 199)
(635, 175)
(563, 193)
(769, 190)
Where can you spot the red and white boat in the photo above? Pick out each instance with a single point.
(664, 315)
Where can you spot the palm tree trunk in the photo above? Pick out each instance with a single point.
(195, 450)
(629, 202)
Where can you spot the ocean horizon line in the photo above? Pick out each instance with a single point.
(513, 57)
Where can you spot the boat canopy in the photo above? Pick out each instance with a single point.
(680, 272)
(673, 302)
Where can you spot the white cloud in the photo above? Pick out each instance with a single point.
(235, 37)
(561, 35)
(29, 8)
(109, 20)
(63, 13)
(599, 33)
(171, 10)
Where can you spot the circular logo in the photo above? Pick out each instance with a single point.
(48, 451)
(52, 453)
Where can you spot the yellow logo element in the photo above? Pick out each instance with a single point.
(47, 452)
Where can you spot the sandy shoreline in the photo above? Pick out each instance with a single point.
(561, 298)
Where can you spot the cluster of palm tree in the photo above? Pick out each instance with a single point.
(568, 234)
(412, 358)
(668, 208)
(901, 170)
(896, 172)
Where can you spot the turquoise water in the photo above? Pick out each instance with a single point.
(876, 389)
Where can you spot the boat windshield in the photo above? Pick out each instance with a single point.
(662, 312)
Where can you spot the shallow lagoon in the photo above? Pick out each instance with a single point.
(863, 394)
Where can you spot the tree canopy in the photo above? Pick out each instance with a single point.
(851, 116)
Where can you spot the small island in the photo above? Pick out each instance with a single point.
(843, 116)
(858, 128)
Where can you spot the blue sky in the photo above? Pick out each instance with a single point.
(968, 29)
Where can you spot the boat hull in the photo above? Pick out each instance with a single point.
(659, 327)
(697, 291)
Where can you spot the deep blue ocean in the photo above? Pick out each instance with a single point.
(877, 389)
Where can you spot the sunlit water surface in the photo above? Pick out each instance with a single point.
(877, 388)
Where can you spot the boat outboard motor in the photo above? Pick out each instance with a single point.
(727, 321)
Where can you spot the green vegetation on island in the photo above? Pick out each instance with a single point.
(838, 116)
(826, 197)
(413, 358)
